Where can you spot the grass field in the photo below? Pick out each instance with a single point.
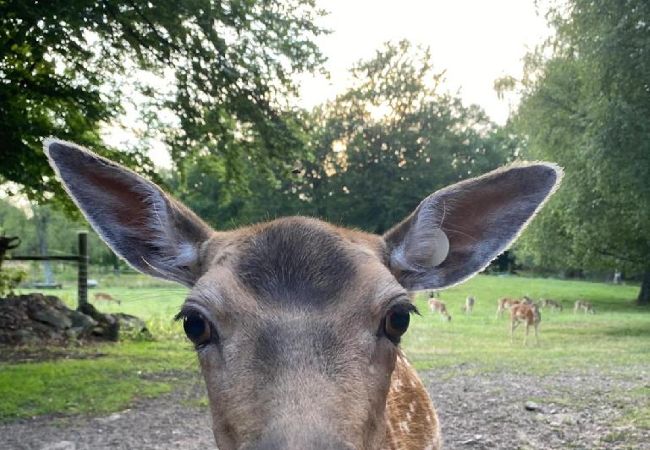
(112, 376)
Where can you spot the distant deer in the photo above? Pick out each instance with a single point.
(527, 300)
(584, 306)
(504, 304)
(437, 306)
(469, 305)
(107, 297)
(552, 304)
(528, 314)
(297, 322)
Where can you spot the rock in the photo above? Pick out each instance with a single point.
(35, 318)
(558, 420)
(532, 406)
(26, 336)
(107, 326)
(132, 325)
(51, 316)
(81, 320)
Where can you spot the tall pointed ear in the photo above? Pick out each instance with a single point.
(153, 232)
(457, 231)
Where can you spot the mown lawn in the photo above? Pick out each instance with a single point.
(115, 375)
(618, 335)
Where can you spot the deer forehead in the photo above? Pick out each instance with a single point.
(297, 264)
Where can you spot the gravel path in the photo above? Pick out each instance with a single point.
(477, 411)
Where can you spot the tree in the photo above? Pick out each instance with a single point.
(392, 139)
(66, 68)
(586, 103)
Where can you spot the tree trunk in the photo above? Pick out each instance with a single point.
(644, 295)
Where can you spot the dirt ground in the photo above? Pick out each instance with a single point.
(573, 410)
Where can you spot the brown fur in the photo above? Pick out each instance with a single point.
(412, 423)
(269, 330)
(106, 297)
(552, 304)
(438, 306)
(584, 306)
(528, 314)
(297, 322)
(505, 303)
(469, 305)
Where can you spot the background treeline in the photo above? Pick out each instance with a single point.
(242, 153)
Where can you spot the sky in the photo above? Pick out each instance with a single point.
(475, 41)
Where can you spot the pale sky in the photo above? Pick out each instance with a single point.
(475, 41)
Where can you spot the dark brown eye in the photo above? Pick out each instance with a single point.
(197, 329)
(397, 321)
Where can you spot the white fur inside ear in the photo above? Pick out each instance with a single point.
(440, 247)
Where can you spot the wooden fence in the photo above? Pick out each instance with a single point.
(82, 263)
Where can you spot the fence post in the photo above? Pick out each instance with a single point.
(82, 278)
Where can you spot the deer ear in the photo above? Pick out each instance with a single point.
(457, 231)
(153, 232)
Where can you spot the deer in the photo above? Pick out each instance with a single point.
(584, 306)
(527, 313)
(107, 297)
(469, 305)
(296, 322)
(526, 300)
(552, 304)
(504, 304)
(438, 306)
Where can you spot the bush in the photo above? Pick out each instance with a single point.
(10, 279)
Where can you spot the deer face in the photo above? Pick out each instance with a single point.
(296, 322)
(299, 323)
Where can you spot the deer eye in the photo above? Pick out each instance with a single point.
(397, 321)
(197, 329)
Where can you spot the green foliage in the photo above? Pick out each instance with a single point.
(10, 279)
(585, 105)
(391, 140)
(66, 68)
(61, 232)
(370, 156)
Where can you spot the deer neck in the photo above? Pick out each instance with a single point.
(411, 421)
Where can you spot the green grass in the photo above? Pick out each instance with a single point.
(122, 374)
(617, 336)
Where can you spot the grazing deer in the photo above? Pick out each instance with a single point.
(505, 303)
(584, 306)
(297, 322)
(527, 313)
(437, 306)
(107, 297)
(552, 304)
(469, 305)
(527, 300)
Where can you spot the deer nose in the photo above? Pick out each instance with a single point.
(302, 441)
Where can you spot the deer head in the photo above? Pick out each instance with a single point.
(296, 322)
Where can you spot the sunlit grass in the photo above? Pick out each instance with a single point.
(112, 378)
(616, 337)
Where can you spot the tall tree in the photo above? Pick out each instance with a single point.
(586, 105)
(391, 139)
(67, 67)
